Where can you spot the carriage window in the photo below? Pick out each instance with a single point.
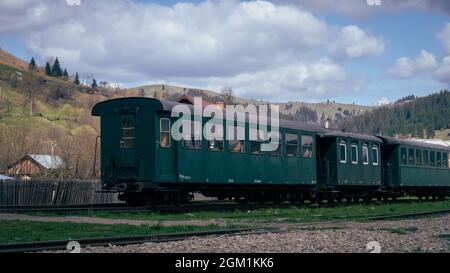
(418, 157)
(411, 156)
(432, 162)
(445, 160)
(215, 144)
(237, 146)
(307, 146)
(189, 138)
(278, 149)
(343, 152)
(255, 145)
(438, 159)
(164, 135)
(354, 154)
(127, 141)
(375, 155)
(291, 144)
(403, 157)
(425, 158)
(365, 154)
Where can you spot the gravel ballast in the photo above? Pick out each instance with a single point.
(418, 235)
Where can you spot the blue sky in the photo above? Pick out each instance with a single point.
(343, 50)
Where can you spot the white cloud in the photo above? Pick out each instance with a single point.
(382, 101)
(318, 79)
(407, 67)
(251, 46)
(363, 9)
(444, 37)
(442, 73)
(354, 43)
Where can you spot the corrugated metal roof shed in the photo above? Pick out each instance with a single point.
(48, 161)
(4, 177)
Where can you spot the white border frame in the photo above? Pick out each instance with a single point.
(345, 145)
(351, 150)
(367, 149)
(170, 136)
(378, 156)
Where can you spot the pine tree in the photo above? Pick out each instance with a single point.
(65, 73)
(48, 70)
(77, 79)
(32, 64)
(56, 69)
(94, 83)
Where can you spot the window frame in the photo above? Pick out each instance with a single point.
(291, 145)
(375, 148)
(432, 159)
(439, 159)
(425, 158)
(235, 135)
(192, 138)
(304, 147)
(123, 138)
(445, 162)
(411, 160)
(418, 158)
(161, 132)
(366, 148)
(342, 144)
(356, 153)
(403, 151)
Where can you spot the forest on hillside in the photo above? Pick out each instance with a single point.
(412, 117)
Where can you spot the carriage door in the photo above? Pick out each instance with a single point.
(165, 161)
(127, 141)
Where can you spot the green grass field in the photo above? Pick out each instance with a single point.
(28, 231)
(292, 214)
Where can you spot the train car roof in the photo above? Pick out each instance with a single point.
(168, 105)
(288, 124)
(398, 141)
(335, 133)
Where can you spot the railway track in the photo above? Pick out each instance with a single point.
(191, 207)
(123, 240)
(121, 207)
(127, 240)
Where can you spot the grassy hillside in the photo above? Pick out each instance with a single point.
(36, 110)
(290, 110)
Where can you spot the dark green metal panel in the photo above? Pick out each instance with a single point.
(337, 174)
(418, 175)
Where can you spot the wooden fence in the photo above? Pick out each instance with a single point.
(16, 192)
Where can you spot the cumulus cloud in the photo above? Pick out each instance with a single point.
(407, 67)
(367, 8)
(444, 37)
(251, 46)
(382, 101)
(317, 79)
(442, 73)
(354, 43)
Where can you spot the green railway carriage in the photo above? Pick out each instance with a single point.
(140, 158)
(349, 164)
(416, 168)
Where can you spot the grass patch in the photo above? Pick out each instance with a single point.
(12, 231)
(403, 231)
(292, 214)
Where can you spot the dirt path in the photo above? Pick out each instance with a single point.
(107, 221)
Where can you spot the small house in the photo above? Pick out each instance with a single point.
(32, 165)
